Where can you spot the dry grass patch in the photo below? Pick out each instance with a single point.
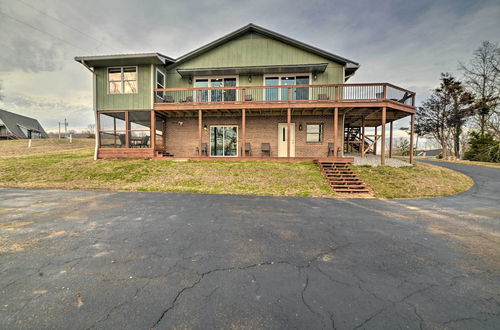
(18, 148)
(421, 180)
(77, 170)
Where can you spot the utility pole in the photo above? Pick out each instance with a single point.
(65, 128)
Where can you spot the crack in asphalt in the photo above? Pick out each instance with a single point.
(306, 265)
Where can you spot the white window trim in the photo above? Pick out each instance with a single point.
(209, 79)
(321, 132)
(279, 82)
(237, 140)
(122, 80)
(156, 82)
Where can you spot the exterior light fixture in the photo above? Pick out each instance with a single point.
(205, 127)
(180, 123)
(190, 79)
(300, 127)
(315, 76)
(249, 78)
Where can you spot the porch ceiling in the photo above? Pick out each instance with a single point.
(353, 116)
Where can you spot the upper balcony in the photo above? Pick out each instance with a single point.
(370, 95)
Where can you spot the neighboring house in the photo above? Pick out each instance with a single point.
(14, 126)
(251, 94)
(429, 153)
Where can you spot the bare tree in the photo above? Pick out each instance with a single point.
(444, 113)
(482, 77)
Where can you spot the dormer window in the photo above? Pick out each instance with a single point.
(122, 80)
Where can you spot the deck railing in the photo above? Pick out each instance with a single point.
(286, 94)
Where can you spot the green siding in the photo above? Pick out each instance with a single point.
(254, 49)
(140, 100)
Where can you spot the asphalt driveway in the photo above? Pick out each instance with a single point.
(119, 260)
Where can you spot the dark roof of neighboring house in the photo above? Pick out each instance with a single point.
(13, 122)
(429, 153)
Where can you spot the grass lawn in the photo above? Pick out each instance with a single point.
(421, 180)
(9, 148)
(59, 164)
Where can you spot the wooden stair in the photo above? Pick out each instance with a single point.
(341, 178)
(163, 154)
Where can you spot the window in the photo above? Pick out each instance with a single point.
(314, 132)
(122, 80)
(160, 83)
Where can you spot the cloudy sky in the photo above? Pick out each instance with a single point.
(407, 43)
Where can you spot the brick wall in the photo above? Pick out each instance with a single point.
(182, 140)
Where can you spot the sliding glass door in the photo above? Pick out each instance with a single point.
(224, 141)
(281, 93)
(216, 95)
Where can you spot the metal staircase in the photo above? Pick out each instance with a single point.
(352, 141)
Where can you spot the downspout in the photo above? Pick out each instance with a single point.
(94, 105)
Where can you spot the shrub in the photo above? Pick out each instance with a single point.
(483, 148)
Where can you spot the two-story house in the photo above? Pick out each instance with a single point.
(251, 94)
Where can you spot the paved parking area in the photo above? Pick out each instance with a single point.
(128, 260)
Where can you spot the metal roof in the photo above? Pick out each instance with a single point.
(125, 59)
(262, 69)
(252, 27)
(14, 122)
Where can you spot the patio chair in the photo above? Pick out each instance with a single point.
(248, 150)
(323, 97)
(266, 149)
(122, 140)
(379, 95)
(189, 99)
(204, 150)
(248, 97)
(144, 142)
(168, 99)
(330, 149)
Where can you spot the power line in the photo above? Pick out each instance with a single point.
(69, 26)
(47, 33)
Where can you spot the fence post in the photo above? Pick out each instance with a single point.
(29, 143)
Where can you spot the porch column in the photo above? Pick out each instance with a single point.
(412, 132)
(153, 130)
(375, 144)
(243, 132)
(362, 137)
(335, 131)
(199, 131)
(382, 145)
(164, 134)
(127, 131)
(288, 133)
(390, 139)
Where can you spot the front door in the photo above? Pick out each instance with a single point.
(282, 139)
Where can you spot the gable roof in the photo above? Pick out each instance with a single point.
(14, 122)
(351, 65)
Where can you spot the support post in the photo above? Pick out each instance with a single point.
(362, 142)
(288, 135)
(335, 131)
(153, 130)
(412, 132)
(382, 145)
(164, 134)
(390, 138)
(243, 132)
(199, 131)
(127, 131)
(376, 139)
